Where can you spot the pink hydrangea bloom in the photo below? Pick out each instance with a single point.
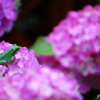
(85, 82)
(76, 43)
(42, 84)
(8, 14)
(21, 60)
(76, 40)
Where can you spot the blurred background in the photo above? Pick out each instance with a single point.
(38, 17)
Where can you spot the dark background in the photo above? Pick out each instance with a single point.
(38, 17)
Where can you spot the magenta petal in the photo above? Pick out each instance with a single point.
(10, 14)
(6, 24)
(1, 32)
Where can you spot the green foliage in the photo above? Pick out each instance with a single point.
(98, 98)
(42, 47)
(8, 54)
(18, 3)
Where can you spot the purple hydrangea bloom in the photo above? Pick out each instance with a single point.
(8, 14)
(85, 82)
(76, 43)
(88, 83)
(21, 60)
(76, 40)
(42, 84)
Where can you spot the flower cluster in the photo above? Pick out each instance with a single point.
(76, 40)
(92, 81)
(43, 84)
(21, 60)
(76, 44)
(79, 31)
(85, 82)
(8, 14)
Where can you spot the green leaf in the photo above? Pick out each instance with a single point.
(18, 3)
(7, 55)
(42, 47)
(97, 98)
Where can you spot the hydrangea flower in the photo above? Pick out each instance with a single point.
(85, 82)
(8, 14)
(76, 40)
(43, 84)
(76, 43)
(21, 60)
(88, 83)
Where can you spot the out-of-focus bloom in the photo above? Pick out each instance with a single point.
(88, 83)
(43, 84)
(8, 14)
(21, 60)
(76, 40)
(76, 43)
(78, 30)
(85, 82)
